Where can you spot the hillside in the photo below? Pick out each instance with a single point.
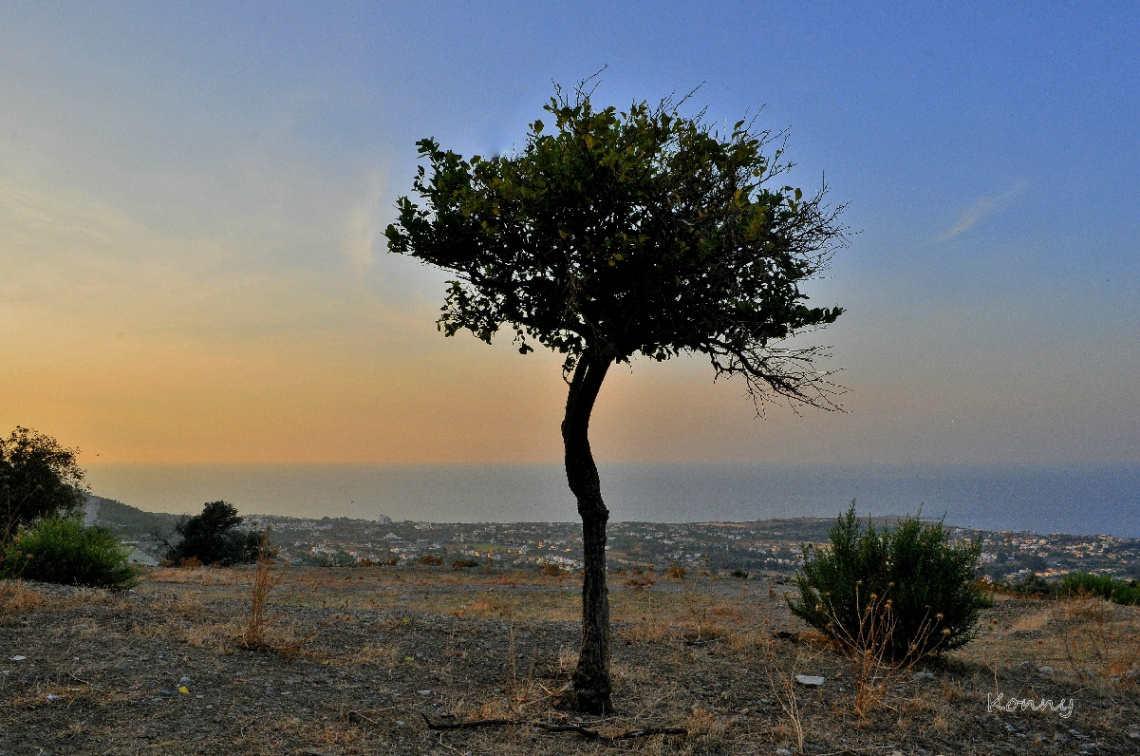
(370, 660)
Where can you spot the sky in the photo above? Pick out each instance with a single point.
(193, 198)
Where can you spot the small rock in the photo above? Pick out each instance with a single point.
(424, 692)
(18, 658)
(923, 675)
(183, 680)
(1028, 666)
(1087, 673)
(783, 752)
(52, 697)
(1011, 728)
(1045, 670)
(811, 681)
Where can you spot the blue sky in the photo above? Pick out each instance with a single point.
(192, 198)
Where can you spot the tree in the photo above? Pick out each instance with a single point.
(629, 233)
(38, 478)
(212, 537)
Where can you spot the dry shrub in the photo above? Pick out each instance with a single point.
(552, 570)
(704, 623)
(255, 635)
(639, 582)
(567, 660)
(701, 626)
(869, 646)
(189, 563)
(366, 562)
(783, 685)
(464, 564)
(706, 732)
(430, 560)
(260, 632)
(676, 573)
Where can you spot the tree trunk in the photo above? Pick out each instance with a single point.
(590, 688)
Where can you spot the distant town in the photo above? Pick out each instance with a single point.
(718, 547)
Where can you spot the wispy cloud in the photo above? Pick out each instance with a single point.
(982, 209)
(364, 226)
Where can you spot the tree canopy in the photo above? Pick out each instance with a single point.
(633, 232)
(213, 538)
(38, 478)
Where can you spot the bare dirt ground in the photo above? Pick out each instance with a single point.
(363, 655)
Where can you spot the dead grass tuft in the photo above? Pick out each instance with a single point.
(375, 656)
(260, 632)
(15, 599)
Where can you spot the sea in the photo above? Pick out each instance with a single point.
(1077, 499)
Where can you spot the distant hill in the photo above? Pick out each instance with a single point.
(125, 521)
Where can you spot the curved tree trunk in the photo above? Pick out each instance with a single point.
(590, 688)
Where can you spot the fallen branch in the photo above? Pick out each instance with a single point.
(469, 724)
(595, 735)
(587, 733)
(555, 727)
(647, 732)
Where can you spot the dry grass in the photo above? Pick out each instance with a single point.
(1099, 637)
(1070, 635)
(375, 656)
(16, 599)
(687, 652)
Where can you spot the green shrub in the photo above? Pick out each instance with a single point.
(910, 592)
(59, 550)
(1109, 588)
(212, 538)
(1032, 585)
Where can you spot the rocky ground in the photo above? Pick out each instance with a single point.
(359, 657)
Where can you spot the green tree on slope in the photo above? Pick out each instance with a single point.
(618, 234)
